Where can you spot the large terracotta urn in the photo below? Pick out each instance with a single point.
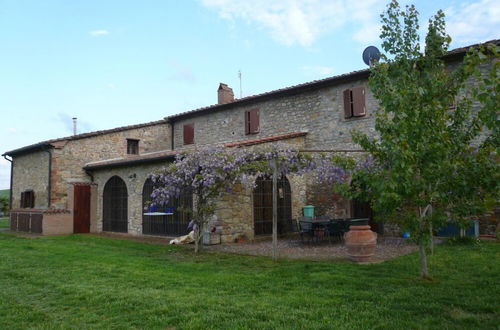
(360, 242)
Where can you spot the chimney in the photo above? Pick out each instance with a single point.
(224, 94)
(74, 125)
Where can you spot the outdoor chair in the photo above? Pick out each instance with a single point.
(306, 229)
(336, 230)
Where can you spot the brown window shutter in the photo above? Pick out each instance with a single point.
(358, 97)
(32, 199)
(254, 121)
(247, 122)
(188, 133)
(23, 200)
(347, 104)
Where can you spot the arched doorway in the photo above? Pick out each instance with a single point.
(167, 225)
(263, 206)
(115, 206)
(362, 209)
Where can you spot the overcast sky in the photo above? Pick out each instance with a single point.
(120, 62)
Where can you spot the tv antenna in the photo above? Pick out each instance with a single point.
(241, 91)
(371, 54)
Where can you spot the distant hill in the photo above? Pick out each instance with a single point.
(4, 192)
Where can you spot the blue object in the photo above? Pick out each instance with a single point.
(169, 209)
(406, 234)
(309, 211)
(152, 208)
(451, 230)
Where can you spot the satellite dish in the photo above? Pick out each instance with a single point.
(371, 55)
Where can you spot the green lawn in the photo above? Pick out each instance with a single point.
(82, 281)
(4, 222)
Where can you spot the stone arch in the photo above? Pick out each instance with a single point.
(115, 205)
(166, 224)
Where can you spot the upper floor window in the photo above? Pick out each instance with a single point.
(188, 133)
(132, 147)
(252, 124)
(354, 102)
(27, 199)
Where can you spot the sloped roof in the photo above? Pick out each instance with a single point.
(48, 143)
(457, 52)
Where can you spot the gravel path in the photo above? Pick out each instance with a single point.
(387, 248)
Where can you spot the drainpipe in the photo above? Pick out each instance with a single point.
(49, 186)
(11, 175)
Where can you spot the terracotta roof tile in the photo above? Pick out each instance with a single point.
(131, 160)
(265, 139)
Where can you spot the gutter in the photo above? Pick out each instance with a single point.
(11, 176)
(128, 162)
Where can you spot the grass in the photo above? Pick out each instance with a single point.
(80, 281)
(4, 222)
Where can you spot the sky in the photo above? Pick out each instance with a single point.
(112, 63)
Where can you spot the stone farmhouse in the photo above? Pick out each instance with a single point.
(98, 181)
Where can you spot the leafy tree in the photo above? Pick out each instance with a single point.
(4, 204)
(431, 161)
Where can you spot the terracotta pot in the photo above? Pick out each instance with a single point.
(360, 242)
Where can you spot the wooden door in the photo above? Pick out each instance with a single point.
(81, 209)
(362, 209)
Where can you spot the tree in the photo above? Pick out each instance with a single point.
(211, 172)
(435, 156)
(4, 204)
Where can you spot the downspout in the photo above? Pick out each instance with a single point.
(49, 186)
(11, 176)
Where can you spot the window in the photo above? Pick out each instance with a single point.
(132, 147)
(188, 133)
(354, 102)
(252, 121)
(27, 199)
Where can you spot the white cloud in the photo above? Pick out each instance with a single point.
(97, 33)
(474, 21)
(317, 70)
(300, 22)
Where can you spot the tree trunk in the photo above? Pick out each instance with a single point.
(275, 209)
(431, 233)
(423, 261)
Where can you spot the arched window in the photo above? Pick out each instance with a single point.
(167, 225)
(263, 206)
(115, 206)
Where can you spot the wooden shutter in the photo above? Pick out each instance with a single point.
(358, 101)
(252, 123)
(347, 104)
(247, 122)
(188, 133)
(23, 200)
(32, 199)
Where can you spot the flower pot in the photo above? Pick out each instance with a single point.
(360, 242)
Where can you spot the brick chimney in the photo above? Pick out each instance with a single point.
(224, 94)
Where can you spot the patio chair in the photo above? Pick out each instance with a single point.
(306, 228)
(336, 230)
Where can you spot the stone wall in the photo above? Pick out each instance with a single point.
(31, 172)
(318, 112)
(69, 157)
(134, 178)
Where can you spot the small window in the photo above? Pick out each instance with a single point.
(132, 147)
(354, 102)
(27, 199)
(188, 133)
(252, 124)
